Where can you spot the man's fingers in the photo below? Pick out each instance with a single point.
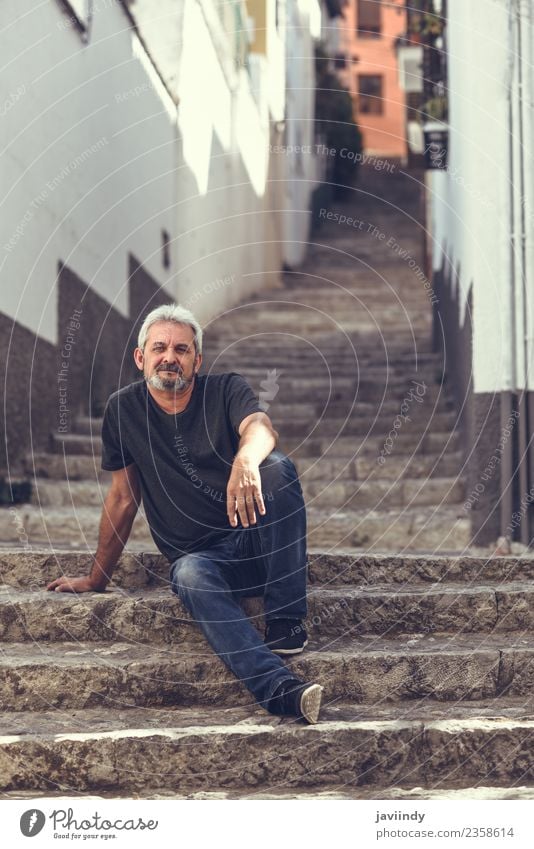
(62, 585)
(231, 509)
(242, 509)
(68, 585)
(259, 500)
(242, 503)
(249, 503)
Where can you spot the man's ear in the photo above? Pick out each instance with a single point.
(198, 363)
(139, 359)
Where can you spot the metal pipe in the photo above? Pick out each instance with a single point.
(506, 472)
(523, 458)
(527, 243)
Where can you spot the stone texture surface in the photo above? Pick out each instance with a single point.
(164, 746)
(156, 616)
(128, 750)
(84, 674)
(33, 569)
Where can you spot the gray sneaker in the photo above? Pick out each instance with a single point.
(295, 698)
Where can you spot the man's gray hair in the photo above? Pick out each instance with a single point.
(171, 312)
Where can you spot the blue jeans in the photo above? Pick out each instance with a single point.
(267, 559)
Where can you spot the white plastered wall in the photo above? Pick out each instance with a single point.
(470, 203)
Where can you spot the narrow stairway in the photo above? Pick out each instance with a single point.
(425, 653)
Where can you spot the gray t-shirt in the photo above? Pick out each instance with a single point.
(184, 459)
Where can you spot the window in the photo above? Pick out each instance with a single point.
(370, 97)
(368, 23)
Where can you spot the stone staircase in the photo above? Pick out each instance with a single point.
(424, 650)
(427, 664)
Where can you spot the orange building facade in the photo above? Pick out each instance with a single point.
(371, 73)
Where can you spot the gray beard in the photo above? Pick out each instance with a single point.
(166, 384)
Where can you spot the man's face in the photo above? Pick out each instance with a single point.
(169, 362)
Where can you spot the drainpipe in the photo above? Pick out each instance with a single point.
(519, 250)
(521, 335)
(506, 485)
(527, 139)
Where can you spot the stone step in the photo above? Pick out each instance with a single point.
(406, 443)
(335, 792)
(450, 464)
(73, 525)
(357, 425)
(327, 427)
(157, 615)
(328, 524)
(306, 411)
(337, 351)
(341, 493)
(359, 302)
(60, 493)
(355, 382)
(334, 416)
(320, 369)
(359, 309)
(70, 467)
(75, 443)
(140, 567)
(349, 363)
(87, 465)
(247, 350)
(383, 494)
(377, 324)
(417, 744)
(433, 529)
(348, 380)
(407, 528)
(354, 407)
(345, 397)
(371, 325)
(341, 286)
(366, 467)
(32, 570)
(78, 675)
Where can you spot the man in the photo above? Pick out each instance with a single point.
(199, 452)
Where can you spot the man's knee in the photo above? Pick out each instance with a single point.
(276, 471)
(190, 574)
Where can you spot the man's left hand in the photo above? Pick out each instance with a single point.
(244, 488)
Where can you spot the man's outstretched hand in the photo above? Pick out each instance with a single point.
(74, 585)
(244, 488)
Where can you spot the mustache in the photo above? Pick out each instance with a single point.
(169, 368)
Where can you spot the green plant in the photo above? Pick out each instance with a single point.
(436, 109)
(427, 24)
(432, 25)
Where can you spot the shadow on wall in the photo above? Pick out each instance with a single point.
(95, 349)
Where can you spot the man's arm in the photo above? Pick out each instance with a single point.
(118, 512)
(257, 439)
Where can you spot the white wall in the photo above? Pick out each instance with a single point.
(300, 167)
(100, 102)
(201, 170)
(470, 208)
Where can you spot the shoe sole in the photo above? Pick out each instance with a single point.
(290, 651)
(310, 703)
